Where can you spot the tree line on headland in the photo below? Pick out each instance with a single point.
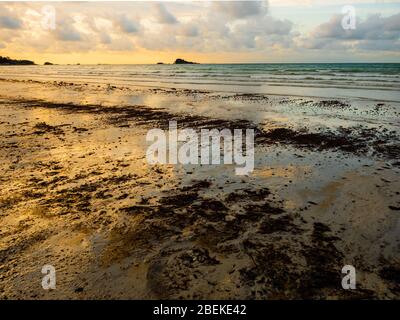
(9, 61)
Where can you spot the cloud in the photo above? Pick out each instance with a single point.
(189, 30)
(68, 33)
(311, 3)
(374, 33)
(121, 44)
(375, 27)
(163, 16)
(269, 25)
(127, 25)
(105, 38)
(244, 28)
(241, 9)
(8, 22)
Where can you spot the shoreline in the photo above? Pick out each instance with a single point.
(320, 80)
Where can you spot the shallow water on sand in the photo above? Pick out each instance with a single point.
(371, 81)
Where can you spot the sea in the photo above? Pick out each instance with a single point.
(372, 81)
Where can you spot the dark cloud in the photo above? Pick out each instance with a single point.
(105, 38)
(375, 27)
(241, 9)
(66, 32)
(8, 22)
(127, 25)
(163, 15)
(373, 33)
(382, 45)
(189, 30)
(261, 33)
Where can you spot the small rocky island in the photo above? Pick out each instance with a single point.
(181, 61)
(48, 64)
(11, 62)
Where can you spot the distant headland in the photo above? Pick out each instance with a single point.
(181, 61)
(11, 62)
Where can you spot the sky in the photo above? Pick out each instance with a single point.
(203, 31)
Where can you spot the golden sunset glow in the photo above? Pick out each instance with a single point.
(206, 32)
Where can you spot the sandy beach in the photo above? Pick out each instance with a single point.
(76, 192)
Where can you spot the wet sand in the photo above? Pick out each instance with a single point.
(77, 192)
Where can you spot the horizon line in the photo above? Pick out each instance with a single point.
(206, 63)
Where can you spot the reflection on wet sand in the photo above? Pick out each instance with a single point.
(76, 192)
